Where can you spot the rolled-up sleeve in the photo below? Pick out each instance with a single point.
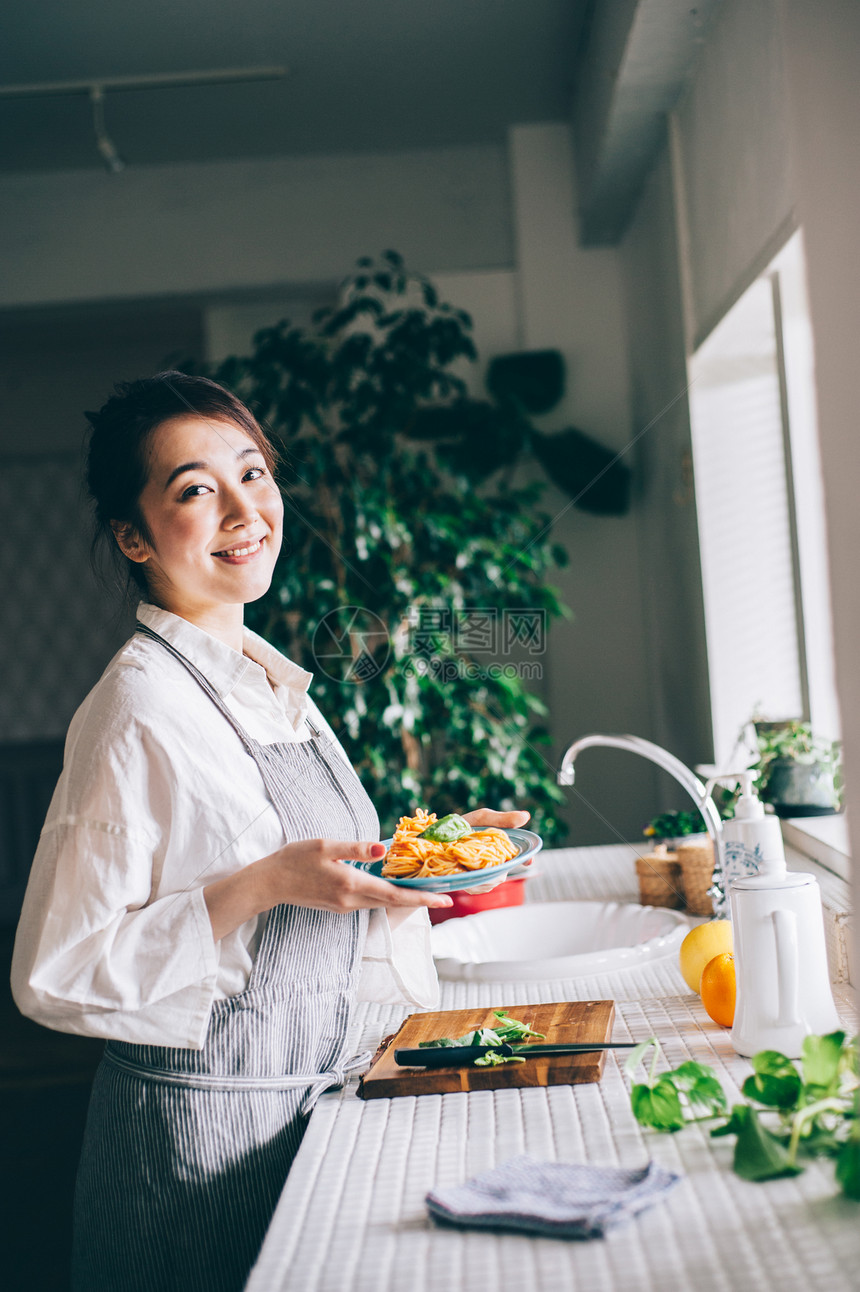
(94, 956)
(102, 949)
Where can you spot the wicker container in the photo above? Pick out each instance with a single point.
(659, 876)
(697, 875)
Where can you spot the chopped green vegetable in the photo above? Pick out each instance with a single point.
(492, 1059)
(447, 829)
(511, 1031)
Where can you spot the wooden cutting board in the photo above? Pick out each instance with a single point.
(563, 1022)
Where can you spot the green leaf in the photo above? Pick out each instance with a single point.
(775, 1081)
(735, 1123)
(702, 1088)
(658, 1106)
(821, 1057)
(819, 1141)
(848, 1165)
(759, 1155)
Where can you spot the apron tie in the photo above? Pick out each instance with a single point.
(315, 1082)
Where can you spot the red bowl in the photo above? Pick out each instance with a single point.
(511, 893)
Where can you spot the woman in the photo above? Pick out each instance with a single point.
(188, 900)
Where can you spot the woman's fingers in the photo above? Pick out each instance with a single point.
(334, 885)
(370, 892)
(501, 820)
(348, 850)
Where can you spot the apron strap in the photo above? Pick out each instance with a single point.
(208, 687)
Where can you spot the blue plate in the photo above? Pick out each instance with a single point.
(529, 845)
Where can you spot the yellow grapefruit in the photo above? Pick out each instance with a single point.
(701, 945)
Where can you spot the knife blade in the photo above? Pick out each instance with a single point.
(453, 1056)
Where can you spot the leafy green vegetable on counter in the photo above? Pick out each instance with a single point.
(511, 1032)
(447, 829)
(813, 1111)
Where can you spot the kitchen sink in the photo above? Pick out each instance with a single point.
(555, 940)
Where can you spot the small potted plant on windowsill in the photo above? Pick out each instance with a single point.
(800, 773)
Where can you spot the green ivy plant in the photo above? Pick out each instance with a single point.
(790, 1113)
(397, 567)
(796, 742)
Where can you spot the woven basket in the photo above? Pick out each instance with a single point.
(659, 876)
(697, 875)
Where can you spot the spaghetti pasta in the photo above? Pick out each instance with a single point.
(411, 857)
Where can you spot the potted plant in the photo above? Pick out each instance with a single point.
(672, 828)
(411, 583)
(799, 772)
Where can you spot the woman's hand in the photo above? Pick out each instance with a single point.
(502, 821)
(309, 873)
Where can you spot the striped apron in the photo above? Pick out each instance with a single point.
(186, 1151)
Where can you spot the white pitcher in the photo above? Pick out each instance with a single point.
(783, 984)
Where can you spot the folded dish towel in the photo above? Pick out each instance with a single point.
(556, 1199)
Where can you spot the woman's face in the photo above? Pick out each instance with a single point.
(215, 518)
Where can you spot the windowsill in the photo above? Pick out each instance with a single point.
(827, 860)
(824, 839)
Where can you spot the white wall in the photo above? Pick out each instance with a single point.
(822, 45)
(571, 299)
(666, 504)
(736, 178)
(181, 230)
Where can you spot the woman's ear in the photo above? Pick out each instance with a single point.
(129, 541)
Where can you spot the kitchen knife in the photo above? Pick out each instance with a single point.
(453, 1056)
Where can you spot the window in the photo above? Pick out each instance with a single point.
(760, 507)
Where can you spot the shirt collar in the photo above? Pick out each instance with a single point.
(218, 662)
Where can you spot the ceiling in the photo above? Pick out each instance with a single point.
(364, 75)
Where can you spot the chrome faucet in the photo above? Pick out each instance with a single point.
(669, 763)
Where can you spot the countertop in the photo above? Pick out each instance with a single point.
(352, 1217)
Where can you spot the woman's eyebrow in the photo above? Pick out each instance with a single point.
(203, 466)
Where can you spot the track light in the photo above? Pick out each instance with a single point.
(104, 143)
(152, 81)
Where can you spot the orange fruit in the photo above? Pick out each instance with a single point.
(718, 989)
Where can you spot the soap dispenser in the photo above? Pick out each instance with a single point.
(751, 839)
(783, 984)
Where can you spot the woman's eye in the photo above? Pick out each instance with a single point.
(253, 473)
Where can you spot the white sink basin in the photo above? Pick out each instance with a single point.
(555, 940)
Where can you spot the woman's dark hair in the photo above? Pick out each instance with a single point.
(117, 460)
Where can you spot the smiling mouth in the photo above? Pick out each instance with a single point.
(240, 553)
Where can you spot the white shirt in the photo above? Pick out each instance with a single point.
(158, 798)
